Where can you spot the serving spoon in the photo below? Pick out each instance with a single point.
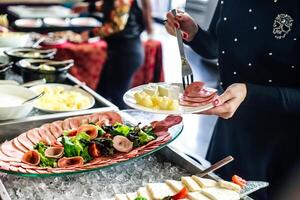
(34, 98)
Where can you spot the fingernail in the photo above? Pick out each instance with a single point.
(216, 102)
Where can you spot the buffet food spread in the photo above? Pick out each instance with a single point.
(82, 143)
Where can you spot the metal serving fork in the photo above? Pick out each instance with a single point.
(186, 70)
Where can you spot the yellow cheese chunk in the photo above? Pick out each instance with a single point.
(121, 197)
(197, 196)
(204, 182)
(190, 184)
(159, 190)
(175, 185)
(220, 194)
(229, 185)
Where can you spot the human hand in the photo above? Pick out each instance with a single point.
(227, 103)
(80, 7)
(183, 21)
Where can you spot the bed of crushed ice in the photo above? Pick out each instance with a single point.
(102, 184)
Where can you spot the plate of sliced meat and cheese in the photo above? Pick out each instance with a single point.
(170, 98)
(84, 143)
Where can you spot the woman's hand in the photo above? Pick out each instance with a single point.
(183, 21)
(227, 103)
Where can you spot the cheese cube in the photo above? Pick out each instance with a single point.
(143, 192)
(204, 182)
(190, 184)
(175, 185)
(151, 89)
(121, 197)
(171, 91)
(215, 193)
(197, 196)
(131, 196)
(159, 190)
(230, 186)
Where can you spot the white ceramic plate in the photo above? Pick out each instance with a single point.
(130, 101)
(85, 21)
(29, 23)
(66, 88)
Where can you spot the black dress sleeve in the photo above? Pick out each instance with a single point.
(205, 42)
(271, 98)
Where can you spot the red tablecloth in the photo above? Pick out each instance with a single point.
(90, 58)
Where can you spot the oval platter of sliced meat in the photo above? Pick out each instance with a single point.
(171, 98)
(84, 143)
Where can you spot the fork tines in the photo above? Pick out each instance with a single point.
(186, 80)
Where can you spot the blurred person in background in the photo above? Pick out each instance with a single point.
(123, 22)
(257, 47)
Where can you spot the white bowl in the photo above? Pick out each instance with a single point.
(29, 23)
(85, 21)
(50, 21)
(13, 39)
(11, 98)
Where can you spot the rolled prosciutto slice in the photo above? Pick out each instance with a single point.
(89, 129)
(199, 99)
(113, 117)
(31, 157)
(193, 104)
(34, 136)
(165, 124)
(70, 162)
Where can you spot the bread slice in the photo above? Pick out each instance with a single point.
(229, 185)
(197, 196)
(215, 193)
(131, 196)
(121, 197)
(143, 192)
(159, 190)
(204, 182)
(175, 185)
(190, 184)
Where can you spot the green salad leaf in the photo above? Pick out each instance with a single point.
(44, 162)
(140, 198)
(75, 146)
(142, 138)
(85, 154)
(121, 129)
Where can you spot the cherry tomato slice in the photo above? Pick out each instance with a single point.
(239, 181)
(183, 193)
(94, 151)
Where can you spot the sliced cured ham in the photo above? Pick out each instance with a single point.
(8, 149)
(56, 128)
(122, 144)
(25, 141)
(70, 162)
(66, 124)
(18, 145)
(31, 157)
(198, 99)
(192, 104)
(75, 122)
(165, 124)
(6, 158)
(33, 136)
(196, 89)
(113, 117)
(45, 133)
(54, 152)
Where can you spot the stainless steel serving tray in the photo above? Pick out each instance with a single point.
(36, 118)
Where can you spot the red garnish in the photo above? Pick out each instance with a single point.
(239, 181)
(182, 194)
(72, 133)
(94, 151)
